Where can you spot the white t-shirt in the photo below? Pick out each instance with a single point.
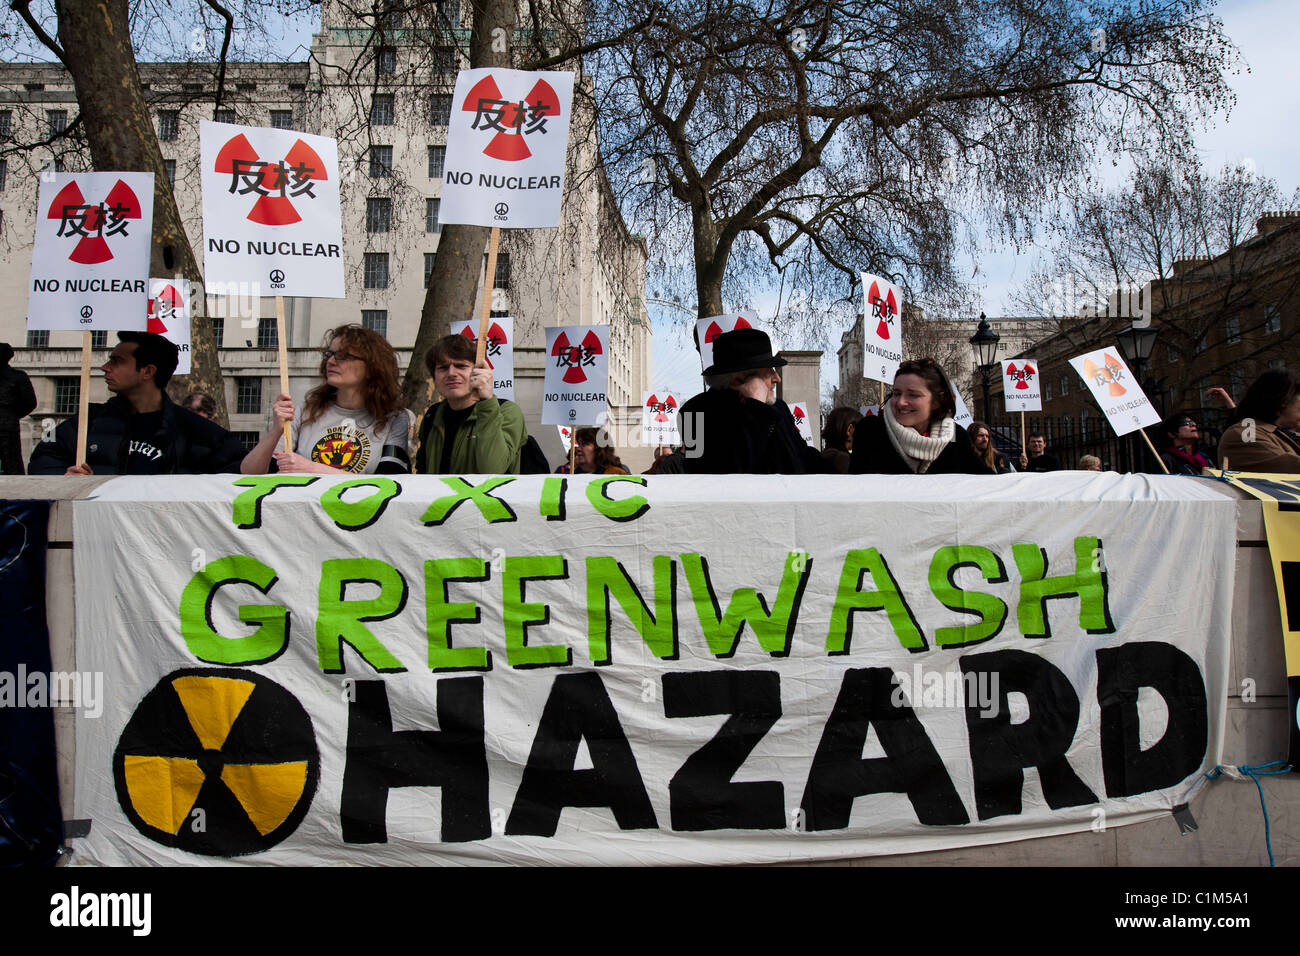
(350, 440)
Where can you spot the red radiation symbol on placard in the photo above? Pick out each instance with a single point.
(276, 184)
(163, 308)
(882, 309)
(573, 357)
(93, 223)
(714, 330)
(511, 121)
(799, 415)
(1021, 376)
(495, 339)
(1109, 375)
(661, 409)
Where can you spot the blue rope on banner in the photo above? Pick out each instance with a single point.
(1223, 475)
(1254, 773)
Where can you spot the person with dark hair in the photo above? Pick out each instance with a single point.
(200, 404)
(915, 432)
(837, 436)
(1038, 459)
(354, 422)
(740, 426)
(471, 431)
(17, 401)
(981, 439)
(140, 431)
(1259, 439)
(1177, 440)
(593, 456)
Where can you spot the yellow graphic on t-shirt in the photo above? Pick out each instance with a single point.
(347, 449)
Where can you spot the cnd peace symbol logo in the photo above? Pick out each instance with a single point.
(217, 761)
(277, 276)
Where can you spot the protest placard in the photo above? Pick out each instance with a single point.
(659, 417)
(882, 328)
(1118, 394)
(169, 316)
(577, 375)
(706, 330)
(1021, 385)
(499, 352)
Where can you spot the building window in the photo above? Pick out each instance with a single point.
(169, 125)
(444, 60)
(169, 167)
(437, 159)
(224, 116)
(1047, 391)
(431, 206)
(1174, 355)
(4, 172)
(59, 165)
(381, 162)
(218, 330)
(67, 395)
(1273, 318)
(376, 320)
(502, 278)
(1065, 385)
(267, 336)
(386, 60)
(281, 119)
(1203, 342)
(38, 339)
(498, 313)
(448, 12)
(99, 339)
(297, 87)
(379, 214)
(192, 87)
(6, 127)
(248, 396)
(376, 266)
(1232, 330)
(58, 121)
(440, 109)
(389, 19)
(248, 439)
(429, 259)
(381, 109)
(246, 87)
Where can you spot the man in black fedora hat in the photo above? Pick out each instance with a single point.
(738, 424)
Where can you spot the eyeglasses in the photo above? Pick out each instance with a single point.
(1187, 421)
(328, 354)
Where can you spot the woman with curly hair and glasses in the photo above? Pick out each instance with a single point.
(354, 422)
(915, 432)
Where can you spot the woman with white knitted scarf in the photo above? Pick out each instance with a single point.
(915, 432)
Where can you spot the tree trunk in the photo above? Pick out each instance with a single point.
(450, 297)
(96, 40)
(710, 264)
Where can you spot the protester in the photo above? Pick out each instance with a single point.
(140, 431)
(17, 401)
(739, 425)
(354, 422)
(1089, 463)
(915, 432)
(1258, 441)
(981, 439)
(201, 405)
(668, 461)
(837, 435)
(471, 431)
(1038, 459)
(1177, 440)
(593, 456)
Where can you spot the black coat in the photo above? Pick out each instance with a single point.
(725, 433)
(874, 453)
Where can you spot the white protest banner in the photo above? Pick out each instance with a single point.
(577, 375)
(882, 328)
(1117, 393)
(1021, 387)
(963, 417)
(271, 211)
(547, 669)
(566, 437)
(506, 143)
(706, 330)
(90, 262)
(169, 316)
(500, 352)
(659, 418)
(800, 412)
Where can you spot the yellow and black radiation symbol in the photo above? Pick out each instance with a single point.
(217, 761)
(347, 449)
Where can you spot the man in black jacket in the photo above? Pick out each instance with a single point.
(17, 401)
(140, 431)
(738, 426)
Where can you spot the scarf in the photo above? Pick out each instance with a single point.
(918, 451)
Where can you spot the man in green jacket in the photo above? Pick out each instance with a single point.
(470, 432)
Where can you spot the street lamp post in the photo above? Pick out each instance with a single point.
(984, 343)
(1135, 345)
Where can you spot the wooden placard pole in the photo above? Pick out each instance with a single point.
(489, 280)
(284, 364)
(83, 399)
(573, 451)
(1147, 438)
(1022, 432)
